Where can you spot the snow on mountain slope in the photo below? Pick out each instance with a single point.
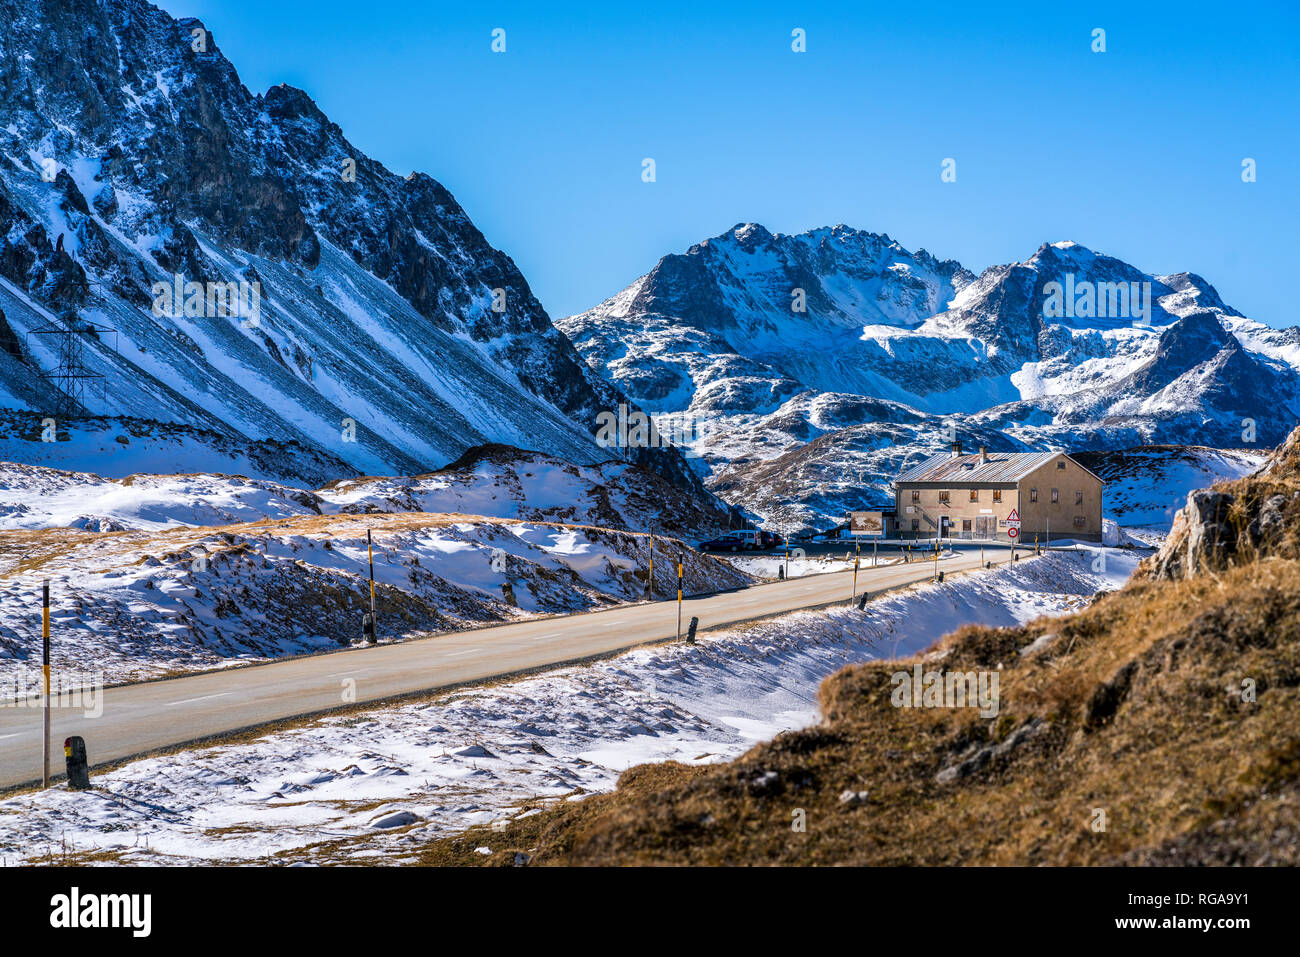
(1146, 486)
(494, 481)
(387, 336)
(1069, 349)
(129, 605)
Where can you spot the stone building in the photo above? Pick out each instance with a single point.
(977, 496)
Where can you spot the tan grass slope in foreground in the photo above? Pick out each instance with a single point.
(1167, 709)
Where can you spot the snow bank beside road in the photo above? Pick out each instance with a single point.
(340, 788)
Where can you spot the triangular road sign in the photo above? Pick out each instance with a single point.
(1014, 516)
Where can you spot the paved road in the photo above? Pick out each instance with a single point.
(148, 716)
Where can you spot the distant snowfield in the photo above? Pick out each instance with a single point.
(373, 786)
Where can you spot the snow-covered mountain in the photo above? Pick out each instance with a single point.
(377, 332)
(805, 370)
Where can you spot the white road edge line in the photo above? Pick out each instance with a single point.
(200, 698)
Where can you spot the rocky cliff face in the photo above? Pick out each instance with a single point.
(1235, 523)
(391, 335)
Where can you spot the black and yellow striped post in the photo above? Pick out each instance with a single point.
(679, 595)
(45, 675)
(372, 625)
(650, 575)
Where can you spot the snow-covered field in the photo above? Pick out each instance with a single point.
(499, 482)
(129, 605)
(371, 787)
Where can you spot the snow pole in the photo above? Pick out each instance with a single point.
(858, 547)
(650, 575)
(679, 596)
(370, 554)
(45, 675)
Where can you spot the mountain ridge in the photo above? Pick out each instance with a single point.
(1009, 358)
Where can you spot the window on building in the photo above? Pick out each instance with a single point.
(943, 497)
(965, 524)
(974, 495)
(1078, 496)
(1060, 466)
(997, 495)
(1080, 521)
(916, 495)
(1033, 495)
(1056, 495)
(916, 524)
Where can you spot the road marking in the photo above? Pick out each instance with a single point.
(14, 735)
(553, 634)
(467, 651)
(200, 698)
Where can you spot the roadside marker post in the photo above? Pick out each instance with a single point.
(856, 558)
(679, 595)
(368, 622)
(45, 675)
(77, 763)
(650, 575)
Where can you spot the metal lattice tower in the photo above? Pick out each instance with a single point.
(70, 377)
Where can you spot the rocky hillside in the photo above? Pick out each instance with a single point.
(1154, 727)
(387, 335)
(842, 354)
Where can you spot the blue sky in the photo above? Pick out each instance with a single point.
(1135, 152)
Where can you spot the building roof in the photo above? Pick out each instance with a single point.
(1001, 467)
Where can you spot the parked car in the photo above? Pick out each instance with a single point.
(723, 543)
(747, 539)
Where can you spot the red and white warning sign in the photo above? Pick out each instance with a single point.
(1014, 518)
(1013, 532)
